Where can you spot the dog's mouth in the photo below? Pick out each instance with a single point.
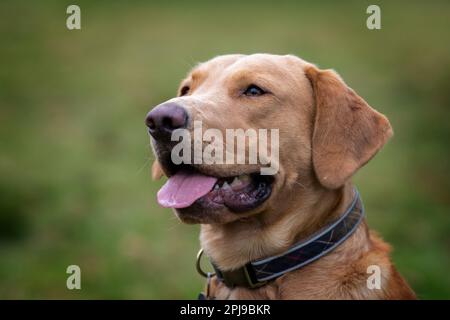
(238, 193)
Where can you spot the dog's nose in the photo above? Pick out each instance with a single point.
(165, 118)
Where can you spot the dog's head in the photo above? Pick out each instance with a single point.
(324, 133)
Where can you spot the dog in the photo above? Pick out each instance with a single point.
(326, 133)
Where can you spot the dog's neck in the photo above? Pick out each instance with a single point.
(233, 245)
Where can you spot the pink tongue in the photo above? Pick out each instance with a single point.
(182, 189)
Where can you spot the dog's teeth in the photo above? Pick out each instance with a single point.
(236, 182)
(226, 186)
(216, 187)
(244, 178)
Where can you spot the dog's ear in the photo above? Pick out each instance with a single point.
(347, 131)
(157, 172)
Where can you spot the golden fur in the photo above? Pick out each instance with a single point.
(327, 132)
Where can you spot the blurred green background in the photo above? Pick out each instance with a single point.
(75, 161)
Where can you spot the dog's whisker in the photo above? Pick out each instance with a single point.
(300, 184)
(173, 226)
(143, 166)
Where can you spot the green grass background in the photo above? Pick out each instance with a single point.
(75, 185)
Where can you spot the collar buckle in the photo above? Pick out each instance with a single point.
(251, 279)
(242, 277)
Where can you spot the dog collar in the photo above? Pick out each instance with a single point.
(257, 273)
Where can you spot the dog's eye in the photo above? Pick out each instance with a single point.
(184, 91)
(253, 91)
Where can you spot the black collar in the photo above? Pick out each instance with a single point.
(259, 272)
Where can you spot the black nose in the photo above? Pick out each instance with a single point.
(165, 118)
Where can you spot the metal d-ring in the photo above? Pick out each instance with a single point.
(199, 267)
